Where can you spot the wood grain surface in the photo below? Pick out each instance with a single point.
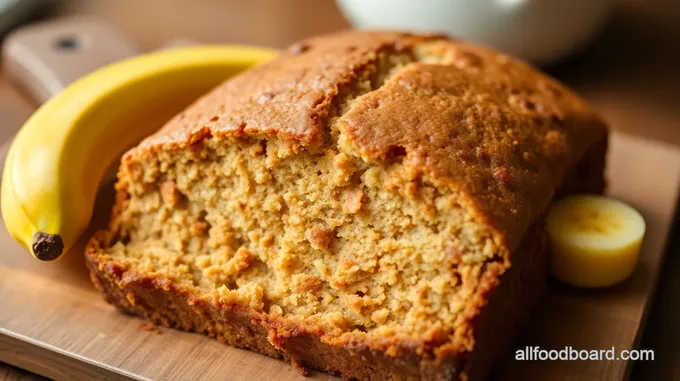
(52, 322)
(612, 317)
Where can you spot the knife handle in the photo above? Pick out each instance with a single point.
(44, 58)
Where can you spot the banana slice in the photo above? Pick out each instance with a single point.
(595, 240)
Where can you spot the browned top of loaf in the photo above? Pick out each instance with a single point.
(462, 116)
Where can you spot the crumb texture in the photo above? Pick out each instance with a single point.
(365, 187)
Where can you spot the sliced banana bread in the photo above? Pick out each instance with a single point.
(368, 204)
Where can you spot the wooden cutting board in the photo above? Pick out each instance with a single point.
(52, 322)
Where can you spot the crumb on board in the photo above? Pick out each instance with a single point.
(150, 327)
(300, 368)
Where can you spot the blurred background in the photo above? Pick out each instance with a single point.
(627, 66)
(623, 56)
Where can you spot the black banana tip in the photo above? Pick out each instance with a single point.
(47, 247)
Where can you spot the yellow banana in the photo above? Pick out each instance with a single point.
(59, 157)
(595, 240)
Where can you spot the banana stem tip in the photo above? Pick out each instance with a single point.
(47, 247)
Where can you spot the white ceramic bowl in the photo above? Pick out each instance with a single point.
(541, 31)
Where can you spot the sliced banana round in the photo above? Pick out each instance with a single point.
(595, 240)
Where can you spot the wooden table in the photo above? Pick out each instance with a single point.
(629, 74)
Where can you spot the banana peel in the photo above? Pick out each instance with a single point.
(59, 157)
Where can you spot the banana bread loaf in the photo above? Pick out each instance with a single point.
(368, 204)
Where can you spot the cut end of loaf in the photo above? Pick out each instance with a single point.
(320, 238)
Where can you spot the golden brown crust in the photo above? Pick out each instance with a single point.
(291, 97)
(459, 115)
